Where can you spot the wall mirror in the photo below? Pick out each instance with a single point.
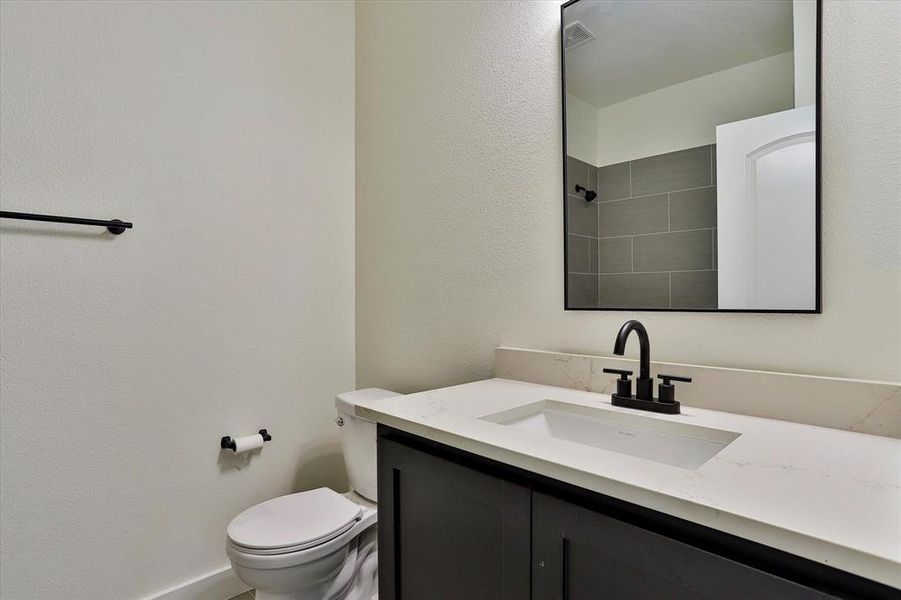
(691, 152)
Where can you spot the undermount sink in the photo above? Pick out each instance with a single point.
(668, 442)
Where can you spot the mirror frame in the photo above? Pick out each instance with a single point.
(817, 183)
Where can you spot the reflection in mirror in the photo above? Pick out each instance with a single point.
(691, 155)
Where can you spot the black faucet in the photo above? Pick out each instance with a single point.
(644, 395)
(644, 383)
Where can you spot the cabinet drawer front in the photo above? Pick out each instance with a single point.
(579, 554)
(447, 531)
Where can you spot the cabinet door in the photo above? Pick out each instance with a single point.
(579, 554)
(449, 532)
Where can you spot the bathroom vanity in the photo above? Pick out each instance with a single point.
(505, 489)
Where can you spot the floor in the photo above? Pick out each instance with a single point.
(248, 595)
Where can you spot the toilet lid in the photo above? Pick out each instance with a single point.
(299, 520)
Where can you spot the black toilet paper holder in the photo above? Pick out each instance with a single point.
(227, 443)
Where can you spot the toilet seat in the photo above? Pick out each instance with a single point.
(293, 523)
(239, 556)
(290, 549)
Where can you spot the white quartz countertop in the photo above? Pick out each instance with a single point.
(827, 495)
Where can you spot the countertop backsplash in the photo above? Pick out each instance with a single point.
(872, 407)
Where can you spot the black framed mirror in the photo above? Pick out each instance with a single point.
(691, 137)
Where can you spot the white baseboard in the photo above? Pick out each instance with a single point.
(218, 585)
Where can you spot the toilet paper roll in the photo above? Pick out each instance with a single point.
(248, 443)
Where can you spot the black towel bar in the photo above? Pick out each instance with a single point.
(115, 226)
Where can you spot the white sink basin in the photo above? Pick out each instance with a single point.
(668, 442)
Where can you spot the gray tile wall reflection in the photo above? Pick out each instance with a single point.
(675, 251)
(649, 240)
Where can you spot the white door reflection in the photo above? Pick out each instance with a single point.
(766, 211)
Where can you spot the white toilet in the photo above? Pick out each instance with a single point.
(318, 544)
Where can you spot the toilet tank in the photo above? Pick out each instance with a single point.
(358, 440)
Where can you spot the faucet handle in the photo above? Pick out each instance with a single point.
(667, 378)
(623, 384)
(666, 391)
(623, 373)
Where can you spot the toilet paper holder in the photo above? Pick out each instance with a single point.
(228, 443)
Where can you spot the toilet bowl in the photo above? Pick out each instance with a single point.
(317, 544)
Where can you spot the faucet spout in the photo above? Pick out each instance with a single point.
(643, 383)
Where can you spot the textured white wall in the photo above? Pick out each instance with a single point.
(225, 132)
(459, 236)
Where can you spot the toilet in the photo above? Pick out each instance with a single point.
(318, 544)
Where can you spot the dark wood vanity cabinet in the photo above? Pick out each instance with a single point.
(453, 525)
(581, 554)
(448, 531)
